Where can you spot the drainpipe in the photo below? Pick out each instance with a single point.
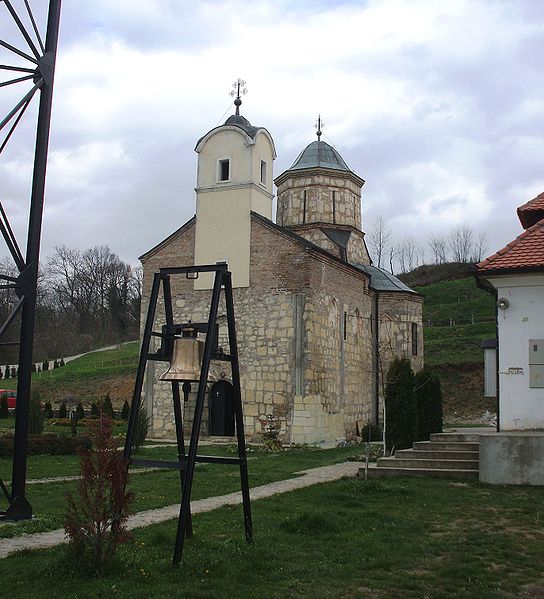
(376, 360)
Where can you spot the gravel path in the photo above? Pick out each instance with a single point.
(310, 477)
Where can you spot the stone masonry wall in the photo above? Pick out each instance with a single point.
(319, 188)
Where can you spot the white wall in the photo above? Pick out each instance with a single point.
(521, 407)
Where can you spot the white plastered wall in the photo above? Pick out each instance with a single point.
(223, 230)
(521, 407)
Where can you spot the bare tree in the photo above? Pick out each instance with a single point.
(461, 242)
(439, 249)
(409, 254)
(480, 247)
(379, 238)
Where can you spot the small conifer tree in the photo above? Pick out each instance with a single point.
(400, 406)
(45, 365)
(4, 410)
(55, 364)
(61, 363)
(35, 413)
(428, 394)
(63, 413)
(95, 412)
(107, 407)
(1, 373)
(48, 410)
(7, 372)
(13, 372)
(125, 412)
(80, 411)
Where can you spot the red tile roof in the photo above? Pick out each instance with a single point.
(525, 253)
(531, 212)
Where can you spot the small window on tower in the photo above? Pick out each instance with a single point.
(224, 170)
(263, 172)
(414, 339)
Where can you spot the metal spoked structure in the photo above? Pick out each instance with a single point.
(35, 66)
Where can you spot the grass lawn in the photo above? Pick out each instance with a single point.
(387, 539)
(161, 487)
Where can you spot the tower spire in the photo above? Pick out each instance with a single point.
(238, 88)
(319, 123)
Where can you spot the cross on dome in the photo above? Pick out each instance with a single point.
(239, 88)
(318, 125)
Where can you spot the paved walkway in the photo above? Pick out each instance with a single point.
(310, 477)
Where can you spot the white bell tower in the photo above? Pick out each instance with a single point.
(234, 177)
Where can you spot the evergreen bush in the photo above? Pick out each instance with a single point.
(1, 373)
(48, 410)
(45, 365)
(46, 444)
(55, 364)
(80, 411)
(107, 407)
(428, 394)
(13, 372)
(95, 412)
(6, 372)
(97, 513)
(370, 432)
(141, 427)
(35, 414)
(400, 406)
(125, 412)
(61, 363)
(4, 410)
(63, 413)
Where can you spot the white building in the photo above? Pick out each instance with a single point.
(516, 274)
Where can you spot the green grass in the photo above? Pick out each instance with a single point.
(94, 366)
(464, 303)
(160, 488)
(387, 539)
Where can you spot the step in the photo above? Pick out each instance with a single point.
(427, 464)
(462, 437)
(443, 445)
(378, 472)
(417, 454)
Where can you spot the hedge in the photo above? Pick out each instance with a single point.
(50, 444)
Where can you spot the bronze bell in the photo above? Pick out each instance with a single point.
(186, 358)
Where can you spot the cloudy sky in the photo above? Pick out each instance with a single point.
(437, 105)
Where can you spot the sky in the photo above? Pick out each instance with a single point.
(438, 106)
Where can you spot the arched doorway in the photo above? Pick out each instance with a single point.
(221, 409)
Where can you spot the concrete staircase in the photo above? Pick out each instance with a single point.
(446, 455)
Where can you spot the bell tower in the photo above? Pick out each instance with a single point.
(234, 177)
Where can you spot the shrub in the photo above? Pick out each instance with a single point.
(400, 406)
(33, 367)
(45, 365)
(371, 432)
(83, 422)
(62, 410)
(6, 371)
(428, 395)
(48, 410)
(35, 413)
(95, 412)
(107, 407)
(49, 444)
(13, 372)
(125, 412)
(55, 364)
(1, 373)
(141, 427)
(61, 363)
(4, 410)
(97, 513)
(80, 411)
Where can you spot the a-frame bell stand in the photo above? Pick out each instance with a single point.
(186, 462)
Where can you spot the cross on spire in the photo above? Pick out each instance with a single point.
(318, 125)
(238, 88)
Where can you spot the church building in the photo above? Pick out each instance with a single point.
(317, 323)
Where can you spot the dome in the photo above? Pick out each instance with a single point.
(319, 154)
(237, 120)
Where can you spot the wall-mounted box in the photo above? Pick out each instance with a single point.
(536, 376)
(536, 351)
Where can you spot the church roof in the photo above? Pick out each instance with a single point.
(319, 154)
(381, 280)
(532, 211)
(525, 253)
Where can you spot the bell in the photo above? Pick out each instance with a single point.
(186, 358)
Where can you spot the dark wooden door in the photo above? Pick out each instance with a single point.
(221, 409)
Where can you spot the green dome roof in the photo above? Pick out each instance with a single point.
(319, 154)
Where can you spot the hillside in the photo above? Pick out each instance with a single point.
(457, 315)
(90, 377)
